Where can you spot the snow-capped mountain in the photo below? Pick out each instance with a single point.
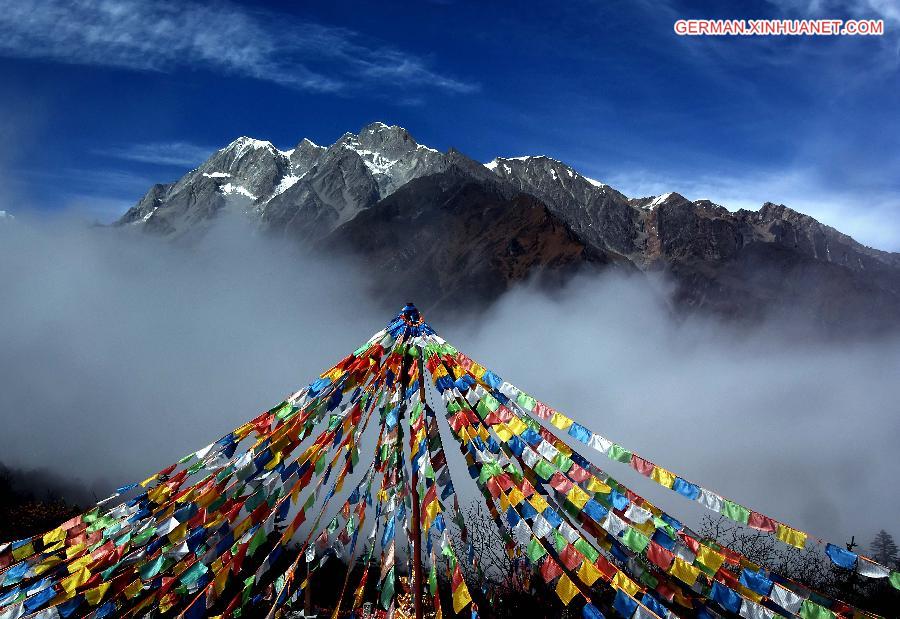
(360, 192)
(307, 191)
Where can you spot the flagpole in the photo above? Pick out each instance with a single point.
(412, 317)
(307, 595)
(417, 518)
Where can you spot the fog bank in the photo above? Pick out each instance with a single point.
(119, 353)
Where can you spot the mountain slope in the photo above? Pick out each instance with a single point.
(452, 239)
(380, 191)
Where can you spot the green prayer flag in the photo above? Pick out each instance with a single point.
(151, 569)
(193, 573)
(619, 453)
(432, 579)
(490, 469)
(526, 401)
(895, 579)
(387, 589)
(736, 512)
(248, 589)
(811, 610)
(216, 504)
(559, 541)
(544, 469)
(195, 467)
(635, 540)
(535, 550)
(585, 548)
(665, 526)
(256, 499)
(284, 411)
(123, 539)
(648, 579)
(563, 462)
(256, 541)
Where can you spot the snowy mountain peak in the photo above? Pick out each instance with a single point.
(244, 144)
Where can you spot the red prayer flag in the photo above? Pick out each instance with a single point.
(659, 556)
(542, 410)
(570, 557)
(761, 523)
(644, 467)
(560, 483)
(550, 569)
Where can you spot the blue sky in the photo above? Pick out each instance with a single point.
(103, 98)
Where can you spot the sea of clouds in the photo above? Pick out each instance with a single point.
(119, 353)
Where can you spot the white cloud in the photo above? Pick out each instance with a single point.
(221, 37)
(181, 154)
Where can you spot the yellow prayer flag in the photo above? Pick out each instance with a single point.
(178, 533)
(621, 581)
(662, 476)
(750, 565)
(791, 537)
(577, 497)
(461, 597)
(588, 573)
(159, 494)
(517, 426)
(503, 432)
(710, 558)
(95, 595)
(515, 496)
(483, 434)
(56, 535)
(560, 421)
(275, 461)
(750, 594)
(595, 485)
(46, 564)
(220, 581)
(538, 502)
(241, 528)
(504, 502)
(684, 571)
(477, 370)
(566, 589)
(78, 564)
(71, 551)
(134, 588)
(167, 602)
(648, 527)
(71, 583)
(23, 551)
(431, 512)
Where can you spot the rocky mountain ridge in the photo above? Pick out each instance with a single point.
(732, 263)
